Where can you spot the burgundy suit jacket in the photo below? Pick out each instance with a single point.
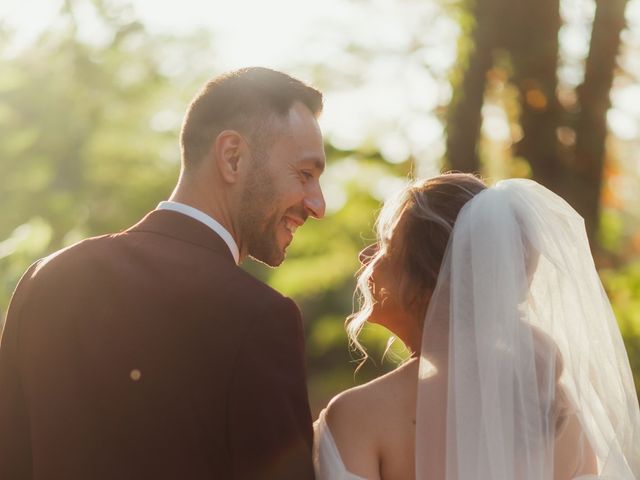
(150, 354)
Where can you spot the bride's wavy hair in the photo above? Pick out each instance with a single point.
(413, 230)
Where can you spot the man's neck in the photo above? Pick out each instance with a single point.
(192, 194)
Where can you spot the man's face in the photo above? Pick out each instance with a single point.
(282, 188)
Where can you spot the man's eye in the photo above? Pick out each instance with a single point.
(307, 175)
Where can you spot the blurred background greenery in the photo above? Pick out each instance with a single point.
(92, 93)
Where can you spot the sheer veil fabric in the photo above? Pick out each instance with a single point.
(532, 343)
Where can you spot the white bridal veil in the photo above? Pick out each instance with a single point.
(533, 347)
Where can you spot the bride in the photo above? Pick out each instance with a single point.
(519, 370)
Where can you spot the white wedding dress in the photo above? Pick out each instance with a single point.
(532, 339)
(326, 457)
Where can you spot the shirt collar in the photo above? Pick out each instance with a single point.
(207, 220)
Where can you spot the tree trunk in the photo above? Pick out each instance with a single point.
(584, 182)
(528, 30)
(465, 112)
(533, 44)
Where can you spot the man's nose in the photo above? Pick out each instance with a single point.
(314, 202)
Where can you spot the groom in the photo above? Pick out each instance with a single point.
(149, 354)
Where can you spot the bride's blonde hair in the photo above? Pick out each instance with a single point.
(413, 230)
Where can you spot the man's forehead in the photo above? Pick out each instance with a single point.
(305, 132)
(299, 114)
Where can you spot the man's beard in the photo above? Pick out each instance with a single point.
(258, 224)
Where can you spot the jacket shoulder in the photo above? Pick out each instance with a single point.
(72, 255)
(264, 302)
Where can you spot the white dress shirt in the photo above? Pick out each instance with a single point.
(207, 220)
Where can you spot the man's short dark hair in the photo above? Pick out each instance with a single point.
(242, 100)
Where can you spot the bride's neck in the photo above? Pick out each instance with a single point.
(434, 344)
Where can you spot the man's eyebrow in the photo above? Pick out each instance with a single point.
(318, 163)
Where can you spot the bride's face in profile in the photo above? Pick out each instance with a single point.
(401, 270)
(387, 309)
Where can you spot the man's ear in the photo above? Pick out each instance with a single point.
(229, 149)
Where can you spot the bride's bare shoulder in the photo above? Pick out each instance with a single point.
(366, 405)
(360, 418)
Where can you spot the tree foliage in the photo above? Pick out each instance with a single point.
(89, 136)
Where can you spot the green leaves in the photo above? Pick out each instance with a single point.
(78, 151)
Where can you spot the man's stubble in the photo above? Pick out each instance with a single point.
(259, 217)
